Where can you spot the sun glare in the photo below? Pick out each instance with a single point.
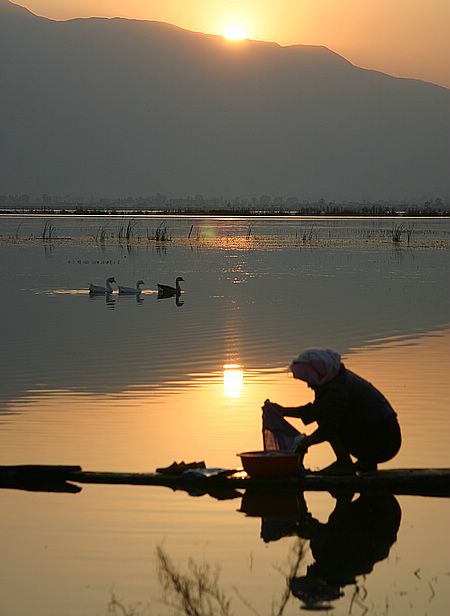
(235, 33)
(233, 380)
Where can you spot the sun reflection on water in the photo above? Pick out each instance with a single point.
(233, 380)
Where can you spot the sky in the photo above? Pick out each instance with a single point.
(405, 38)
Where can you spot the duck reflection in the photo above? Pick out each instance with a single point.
(110, 301)
(359, 533)
(169, 294)
(108, 298)
(137, 297)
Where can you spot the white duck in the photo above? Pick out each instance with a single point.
(131, 290)
(165, 289)
(93, 288)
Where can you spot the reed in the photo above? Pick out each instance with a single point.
(409, 233)
(129, 231)
(120, 234)
(160, 234)
(398, 231)
(126, 232)
(117, 608)
(100, 236)
(307, 235)
(48, 231)
(195, 593)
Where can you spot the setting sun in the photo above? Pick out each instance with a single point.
(233, 380)
(235, 33)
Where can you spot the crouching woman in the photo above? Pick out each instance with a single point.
(351, 414)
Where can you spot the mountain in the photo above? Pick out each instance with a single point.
(125, 107)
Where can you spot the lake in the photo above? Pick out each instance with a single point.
(132, 383)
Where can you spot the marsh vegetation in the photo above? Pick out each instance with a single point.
(239, 232)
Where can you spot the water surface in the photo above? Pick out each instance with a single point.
(125, 383)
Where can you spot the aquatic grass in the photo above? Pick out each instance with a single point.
(117, 608)
(126, 232)
(409, 233)
(17, 234)
(120, 233)
(48, 232)
(129, 231)
(307, 235)
(398, 231)
(100, 236)
(295, 559)
(160, 234)
(195, 593)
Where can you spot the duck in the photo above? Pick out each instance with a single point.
(131, 290)
(93, 288)
(165, 289)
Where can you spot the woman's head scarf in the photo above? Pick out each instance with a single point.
(316, 366)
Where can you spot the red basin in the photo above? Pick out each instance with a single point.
(270, 464)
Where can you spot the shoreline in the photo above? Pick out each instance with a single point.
(306, 212)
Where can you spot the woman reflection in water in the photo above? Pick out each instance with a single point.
(352, 415)
(358, 534)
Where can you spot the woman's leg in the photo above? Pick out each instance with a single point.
(343, 464)
(379, 444)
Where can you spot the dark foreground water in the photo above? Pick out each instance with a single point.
(125, 383)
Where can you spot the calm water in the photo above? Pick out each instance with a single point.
(121, 384)
(324, 228)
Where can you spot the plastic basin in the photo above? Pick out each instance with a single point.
(270, 464)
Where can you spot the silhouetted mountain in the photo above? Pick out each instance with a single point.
(124, 107)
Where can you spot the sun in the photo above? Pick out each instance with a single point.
(235, 33)
(233, 380)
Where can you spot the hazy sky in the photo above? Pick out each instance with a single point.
(409, 38)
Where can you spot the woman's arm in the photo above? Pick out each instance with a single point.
(314, 438)
(306, 412)
(303, 412)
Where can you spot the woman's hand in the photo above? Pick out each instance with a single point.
(302, 447)
(273, 406)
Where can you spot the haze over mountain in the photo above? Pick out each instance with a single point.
(123, 107)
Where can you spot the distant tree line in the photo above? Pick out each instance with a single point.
(198, 204)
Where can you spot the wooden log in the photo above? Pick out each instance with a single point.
(37, 470)
(426, 481)
(38, 478)
(419, 481)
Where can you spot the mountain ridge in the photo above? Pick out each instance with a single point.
(118, 106)
(304, 47)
